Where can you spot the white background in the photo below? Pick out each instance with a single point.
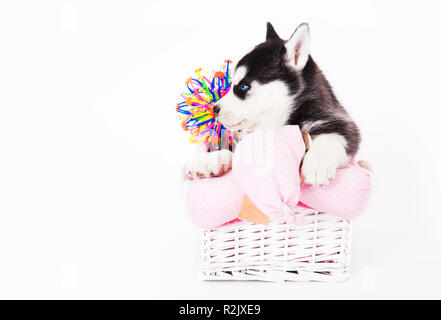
(91, 149)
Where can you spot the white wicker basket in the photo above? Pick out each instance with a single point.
(319, 250)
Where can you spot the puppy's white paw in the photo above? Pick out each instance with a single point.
(208, 164)
(318, 170)
(326, 154)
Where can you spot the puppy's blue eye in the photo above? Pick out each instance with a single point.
(244, 87)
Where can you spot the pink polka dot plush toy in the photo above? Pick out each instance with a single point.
(266, 173)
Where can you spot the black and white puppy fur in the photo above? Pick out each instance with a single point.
(278, 83)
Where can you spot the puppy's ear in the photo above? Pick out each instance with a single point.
(270, 32)
(298, 46)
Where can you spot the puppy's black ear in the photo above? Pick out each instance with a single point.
(270, 32)
(298, 47)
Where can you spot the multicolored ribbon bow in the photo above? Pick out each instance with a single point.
(196, 111)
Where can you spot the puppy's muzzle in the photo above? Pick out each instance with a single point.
(216, 109)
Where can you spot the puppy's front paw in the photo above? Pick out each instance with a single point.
(208, 164)
(318, 170)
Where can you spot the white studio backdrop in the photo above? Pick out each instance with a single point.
(91, 205)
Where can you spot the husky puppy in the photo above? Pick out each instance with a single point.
(278, 83)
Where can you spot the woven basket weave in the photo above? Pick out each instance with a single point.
(319, 250)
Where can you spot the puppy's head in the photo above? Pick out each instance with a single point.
(265, 82)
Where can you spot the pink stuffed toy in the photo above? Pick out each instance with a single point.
(214, 201)
(266, 169)
(347, 196)
(266, 166)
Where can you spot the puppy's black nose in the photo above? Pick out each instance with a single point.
(216, 109)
